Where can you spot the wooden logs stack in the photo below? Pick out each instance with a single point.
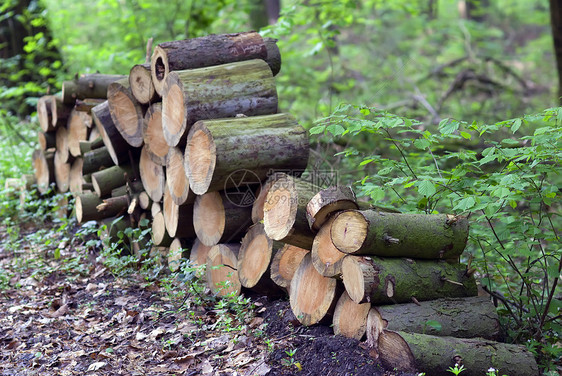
(193, 143)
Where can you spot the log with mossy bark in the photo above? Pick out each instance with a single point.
(350, 318)
(88, 86)
(153, 134)
(178, 252)
(87, 145)
(127, 113)
(285, 211)
(211, 50)
(326, 258)
(44, 168)
(221, 217)
(106, 180)
(399, 280)
(90, 207)
(414, 352)
(214, 159)
(222, 276)
(140, 81)
(222, 91)
(152, 176)
(179, 219)
(118, 148)
(371, 232)
(284, 264)
(176, 177)
(79, 125)
(96, 160)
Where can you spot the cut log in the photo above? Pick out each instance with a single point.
(60, 112)
(222, 276)
(116, 145)
(86, 104)
(370, 232)
(350, 318)
(88, 86)
(153, 134)
(218, 218)
(159, 234)
(273, 55)
(312, 296)
(155, 208)
(79, 125)
(62, 174)
(62, 144)
(94, 134)
(178, 218)
(90, 207)
(141, 85)
(176, 178)
(96, 160)
(106, 180)
(284, 264)
(178, 252)
(44, 168)
(222, 91)
(326, 258)
(328, 201)
(215, 160)
(254, 261)
(47, 140)
(152, 176)
(44, 114)
(434, 355)
(126, 112)
(145, 202)
(130, 189)
(76, 179)
(60, 209)
(455, 317)
(210, 50)
(199, 252)
(285, 211)
(86, 146)
(396, 280)
(263, 189)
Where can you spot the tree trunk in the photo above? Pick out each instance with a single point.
(47, 140)
(105, 181)
(284, 264)
(96, 160)
(118, 148)
(160, 236)
(285, 211)
(79, 125)
(370, 232)
(179, 219)
(153, 134)
(222, 276)
(222, 91)
(87, 146)
(215, 160)
(455, 317)
(90, 207)
(176, 177)
(556, 25)
(152, 176)
(218, 218)
(328, 201)
(126, 112)
(350, 318)
(312, 296)
(178, 252)
(140, 81)
(204, 52)
(434, 355)
(88, 86)
(396, 280)
(326, 258)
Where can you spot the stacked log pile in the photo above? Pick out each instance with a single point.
(193, 142)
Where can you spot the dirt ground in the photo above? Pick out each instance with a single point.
(70, 319)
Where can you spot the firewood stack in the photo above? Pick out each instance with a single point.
(193, 142)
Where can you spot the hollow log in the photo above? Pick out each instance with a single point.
(153, 134)
(178, 251)
(222, 276)
(434, 355)
(397, 280)
(86, 104)
(312, 296)
(90, 207)
(221, 91)
(44, 168)
(208, 51)
(87, 86)
(326, 258)
(370, 232)
(60, 112)
(76, 179)
(179, 219)
(44, 114)
(79, 125)
(140, 81)
(62, 174)
(285, 211)
(96, 160)
(350, 318)
(284, 264)
(87, 146)
(219, 218)
(127, 113)
(160, 236)
(47, 140)
(215, 161)
(61, 141)
(152, 176)
(118, 148)
(176, 177)
(106, 180)
(328, 201)
(455, 317)
(199, 252)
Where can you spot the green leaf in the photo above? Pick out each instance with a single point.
(318, 129)
(426, 188)
(516, 125)
(365, 111)
(421, 143)
(465, 204)
(466, 135)
(448, 126)
(335, 129)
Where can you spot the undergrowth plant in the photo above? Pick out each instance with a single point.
(504, 176)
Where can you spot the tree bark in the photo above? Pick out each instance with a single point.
(152, 176)
(44, 168)
(556, 26)
(90, 207)
(86, 146)
(284, 264)
(160, 235)
(396, 280)
(350, 318)
(370, 232)
(105, 181)
(222, 91)
(285, 211)
(86, 104)
(153, 134)
(326, 258)
(176, 177)
(79, 125)
(179, 219)
(177, 252)
(328, 201)
(88, 86)
(126, 112)
(96, 160)
(140, 81)
(215, 161)
(434, 355)
(118, 148)
(204, 52)
(222, 276)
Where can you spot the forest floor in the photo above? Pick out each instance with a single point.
(71, 316)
